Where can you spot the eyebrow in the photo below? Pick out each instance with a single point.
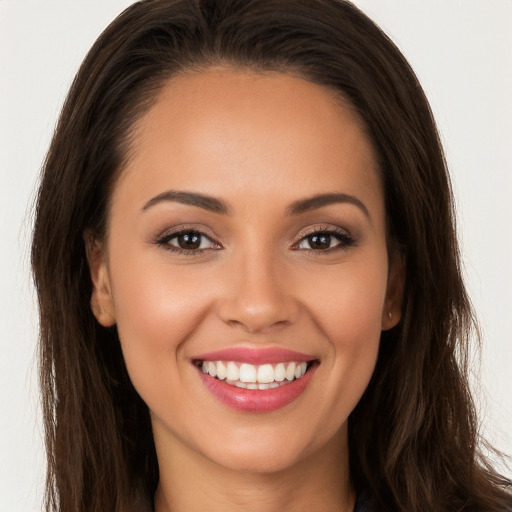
(217, 206)
(193, 199)
(320, 200)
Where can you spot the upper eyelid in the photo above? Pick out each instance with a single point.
(322, 229)
(175, 234)
(176, 231)
(302, 233)
(343, 235)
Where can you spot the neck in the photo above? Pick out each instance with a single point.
(191, 483)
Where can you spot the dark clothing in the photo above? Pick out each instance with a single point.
(362, 504)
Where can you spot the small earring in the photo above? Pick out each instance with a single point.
(390, 315)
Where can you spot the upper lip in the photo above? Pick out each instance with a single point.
(270, 355)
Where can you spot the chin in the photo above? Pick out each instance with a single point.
(260, 453)
(257, 463)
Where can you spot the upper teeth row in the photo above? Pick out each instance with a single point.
(245, 372)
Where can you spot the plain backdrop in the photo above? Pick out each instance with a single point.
(462, 53)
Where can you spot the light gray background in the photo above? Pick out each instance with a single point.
(462, 53)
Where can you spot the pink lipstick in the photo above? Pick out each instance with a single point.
(255, 356)
(255, 380)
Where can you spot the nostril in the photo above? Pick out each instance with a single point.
(253, 327)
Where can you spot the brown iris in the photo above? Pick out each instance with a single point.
(319, 241)
(189, 240)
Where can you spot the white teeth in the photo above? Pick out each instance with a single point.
(212, 368)
(232, 372)
(249, 376)
(279, 373)
(265, 374)
(300, 370)
(247, 373)
(290, 371)
(222, 371)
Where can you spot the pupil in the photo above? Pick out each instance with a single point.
(189, 241)
(320, 241)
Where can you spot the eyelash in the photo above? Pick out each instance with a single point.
(164, 241)
(345, 241)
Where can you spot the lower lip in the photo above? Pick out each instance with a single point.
(254, 400)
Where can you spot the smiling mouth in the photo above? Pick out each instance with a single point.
(255, 377)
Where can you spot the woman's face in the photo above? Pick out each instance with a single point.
(247, 232)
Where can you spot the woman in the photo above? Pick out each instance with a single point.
(248, 273)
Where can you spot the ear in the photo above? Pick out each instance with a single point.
(102, 303)
(392, 311)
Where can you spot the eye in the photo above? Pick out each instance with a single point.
(188, 241)
(325, 240)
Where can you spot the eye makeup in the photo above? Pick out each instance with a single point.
(189, 241)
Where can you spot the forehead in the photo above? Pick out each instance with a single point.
(223, 130)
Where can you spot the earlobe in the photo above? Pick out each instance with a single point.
(102, 304)
(392, 311)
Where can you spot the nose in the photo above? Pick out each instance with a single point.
(259, 296)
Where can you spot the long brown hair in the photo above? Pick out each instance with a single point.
(413, 436)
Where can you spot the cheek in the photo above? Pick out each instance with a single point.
(347, 307)
(151, 308)
(157, 308)
(348, 301)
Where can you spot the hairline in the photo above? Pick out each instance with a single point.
(154, 88)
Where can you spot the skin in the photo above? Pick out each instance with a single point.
(259, 143)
